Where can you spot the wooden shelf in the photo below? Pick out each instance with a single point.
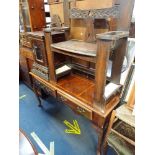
(84, 48)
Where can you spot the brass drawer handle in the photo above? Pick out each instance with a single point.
(81, 110)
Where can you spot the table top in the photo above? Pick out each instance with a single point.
(25, 145)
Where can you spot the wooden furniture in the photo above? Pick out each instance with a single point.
(40, 66)
(25, 145)
(78, 93)
(26, 60)
(85, 72)
(120, 134)
(33, 56)
(29, 10)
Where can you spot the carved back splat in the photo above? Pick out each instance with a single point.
(89, 17)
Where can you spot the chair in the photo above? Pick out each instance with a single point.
(120, 133)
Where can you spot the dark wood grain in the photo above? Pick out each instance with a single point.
(36, 9)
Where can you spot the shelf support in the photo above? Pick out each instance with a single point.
(50, 55)
(103, 50)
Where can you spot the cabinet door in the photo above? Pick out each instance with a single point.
(37, 14)
(39, 51)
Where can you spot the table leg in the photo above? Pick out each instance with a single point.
(105, 144)
(100, 139)
(37, 96)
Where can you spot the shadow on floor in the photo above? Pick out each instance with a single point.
(47, 123)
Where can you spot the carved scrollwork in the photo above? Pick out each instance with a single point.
(41, 71)
(96, 13)
(77, 13)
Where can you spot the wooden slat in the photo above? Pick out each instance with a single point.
(122, 136)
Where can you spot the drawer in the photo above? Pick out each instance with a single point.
(78, 109)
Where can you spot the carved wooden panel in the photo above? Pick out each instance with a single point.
(95, 13)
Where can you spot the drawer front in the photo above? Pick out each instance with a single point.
(78, 109)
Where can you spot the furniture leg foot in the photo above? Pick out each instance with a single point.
(37, 96)
(100, 137)
(40, 105)
(98, 152)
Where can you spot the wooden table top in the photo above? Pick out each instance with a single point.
(25, 145)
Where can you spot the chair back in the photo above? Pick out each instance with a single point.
(90, 18)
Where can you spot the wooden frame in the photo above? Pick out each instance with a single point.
(129, 106)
